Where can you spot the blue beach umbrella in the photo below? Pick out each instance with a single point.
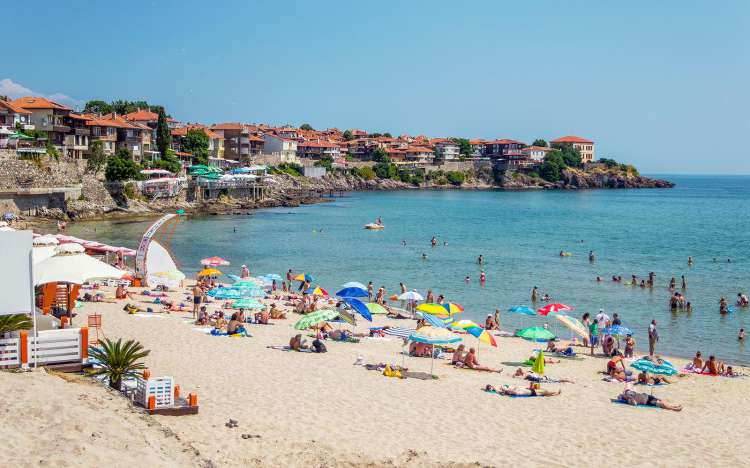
(617, 330)
(522, 309)
(359, 307)
(655, 366)
(234, 278)
(273, 276)
(352, 292)
(435, 321)
(225, 293)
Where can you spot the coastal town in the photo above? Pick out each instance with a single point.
(143, 155)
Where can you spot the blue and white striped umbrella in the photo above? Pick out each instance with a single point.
(435, 321)
(396, 331)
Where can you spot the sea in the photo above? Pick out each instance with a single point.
(520, 235)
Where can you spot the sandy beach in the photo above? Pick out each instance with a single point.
(321, 410)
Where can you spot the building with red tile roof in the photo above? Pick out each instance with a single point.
(10, 115)
(583, 145)
(46, 115)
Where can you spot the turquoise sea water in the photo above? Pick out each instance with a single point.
(520, 235)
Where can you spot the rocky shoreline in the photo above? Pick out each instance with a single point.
(290, 191)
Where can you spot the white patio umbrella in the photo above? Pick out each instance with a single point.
(44, 248)
(411, 296)
(70, 264)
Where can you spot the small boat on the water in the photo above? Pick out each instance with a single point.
(374, 226)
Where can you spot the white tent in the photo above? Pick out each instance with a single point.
(44, 248)
(70, 264)
(161, 268)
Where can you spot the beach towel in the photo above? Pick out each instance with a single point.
(288, 348)
(147, 315)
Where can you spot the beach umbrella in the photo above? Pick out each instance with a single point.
(434, 336)
(616, 330)
(304, 277)
(209, 272)
(352, 292)
(214, 262)
(70, 264)
(538, 366)
(317, 291)
(346, 317)
(654, 366)
(174, 275)
(573, 325)
(246, 283)
(273, 276)
(410, 296)
(433, 320)
(522, 309)
(225, 293)
(441, 310)
(359, 307)
(474, 330)
(396, 331)
(554, 308)
(234, 278)
(354, 284)
(376, 309)
(315, 317)
(535, 334)
(247, 303)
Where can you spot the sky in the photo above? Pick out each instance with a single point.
(662, 85)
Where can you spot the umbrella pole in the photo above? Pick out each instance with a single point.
(432, 362)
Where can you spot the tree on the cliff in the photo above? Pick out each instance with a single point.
(167, 162)
(464, 147)
(306, 126)
(571, 156)
(196, 143)
(348, 136)
(455, 177)
(539, 142)
(379, 155)
(366, 173)
(552, 167)
(97, 157)
(163, 134)
(122, 167)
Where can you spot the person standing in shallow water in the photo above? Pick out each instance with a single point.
(534, 294)
(480, 260)
(684, 282)
(592, 257)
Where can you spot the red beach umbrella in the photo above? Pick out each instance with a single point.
(214, 262)
(554, 308)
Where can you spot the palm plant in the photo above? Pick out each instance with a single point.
(118, 360)
(11, 323)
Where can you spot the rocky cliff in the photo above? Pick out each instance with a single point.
(580, 179)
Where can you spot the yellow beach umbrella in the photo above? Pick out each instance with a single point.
(209, 272)
(440, 310)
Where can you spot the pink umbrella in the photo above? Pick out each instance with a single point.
(554, 308)
(214, 262)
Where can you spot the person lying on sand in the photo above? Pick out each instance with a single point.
(645, 379)
(634, 398)
(533, 377)
(470, 361)
(297, 343)
(546, 359)
(533, 390)
(420, 349)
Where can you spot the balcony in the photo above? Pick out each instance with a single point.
(60, 128)
(244, 150)
(81, 131)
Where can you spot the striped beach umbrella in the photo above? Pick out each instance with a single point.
(315, 317)
(474, 330)
(654, 366)
(554, 309)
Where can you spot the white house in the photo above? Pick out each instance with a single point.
(276, 145)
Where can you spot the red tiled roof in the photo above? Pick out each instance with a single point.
(537, 148)
(110, 120)
(228, 126)
(505, 141)
(76, 116)
(318, 144)
(13, 108)
(36, 102)
(418, 149)
(182, 131)
(571, 139)
(478, 141)
(142, 115)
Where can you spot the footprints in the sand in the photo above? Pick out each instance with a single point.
(232, 423)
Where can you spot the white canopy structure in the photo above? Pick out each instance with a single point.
(70, 264)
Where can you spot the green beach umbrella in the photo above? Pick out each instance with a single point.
(376, 309)
(247, 303)
(316, 317)
(535, 334)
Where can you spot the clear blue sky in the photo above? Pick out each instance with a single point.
(663, 85)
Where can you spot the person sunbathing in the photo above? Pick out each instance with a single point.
(339, 335)
(546, 359)
(235, 326)
(533, 377)
(276, 313)
(634, 398)
(121, 292)
(470, 361)
(420, 349)
(202, 316)
(613, 371)
(713, 366)
(458, 355)
(262, 317)
(532, 391)
(645, 379)
(297, 343)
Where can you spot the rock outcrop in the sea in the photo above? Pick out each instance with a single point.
(579, 179)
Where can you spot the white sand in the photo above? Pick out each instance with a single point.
(315, 410)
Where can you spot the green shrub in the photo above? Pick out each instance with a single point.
(455, 177)
(366, 173)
